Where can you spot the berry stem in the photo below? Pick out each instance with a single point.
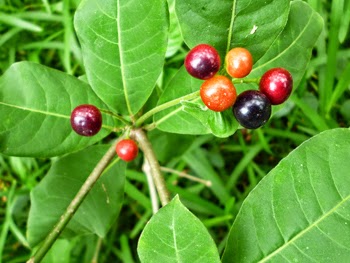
(164, 106)
(74, 205)
(118, 117)
(146, 146)
(240, 81)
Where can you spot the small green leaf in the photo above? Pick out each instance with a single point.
(221, 124)
(175, 119)
(35, 106)
(174, 234)
(250, 24)
(51, 197)
(300, 212)
(123, 45)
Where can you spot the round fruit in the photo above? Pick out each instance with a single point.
(127, 150)
(277, 85)
(203, 61)
(86, 120)
(252, 109)
(239, 62)
(218, 93)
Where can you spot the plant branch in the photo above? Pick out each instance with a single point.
(158, 178)
(73, 206)
(164, 106)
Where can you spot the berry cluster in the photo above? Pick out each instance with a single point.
(86, 120)
(251, 108)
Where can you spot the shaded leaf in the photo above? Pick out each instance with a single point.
(163, 144)
(175, 39)
(174, 234)
(51, 197)
(301, 210)
(35, 107)
(123, 44)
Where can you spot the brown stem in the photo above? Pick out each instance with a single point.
(158, 178)
(73, 206)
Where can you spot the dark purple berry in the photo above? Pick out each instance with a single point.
(203, 61)
(86, 120)
(252, 109)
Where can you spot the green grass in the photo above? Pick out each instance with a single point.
(42, 31)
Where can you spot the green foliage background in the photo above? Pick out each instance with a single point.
(42, 31)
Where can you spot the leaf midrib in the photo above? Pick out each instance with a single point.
(300, 234)
(35, 110)
(122, 65)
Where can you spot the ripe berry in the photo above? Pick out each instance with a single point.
(86, 120)
(203, 61)
(276, 84)
(218, 93)
(239, 62)
(252, 109)
(127, 150)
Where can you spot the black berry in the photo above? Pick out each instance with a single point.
(252, 109)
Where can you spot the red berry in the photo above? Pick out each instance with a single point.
(239, 62)
(127, 150)
(277, 85)
(86, 120)
(218, 93)
(203, 61)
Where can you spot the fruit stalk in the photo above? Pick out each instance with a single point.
(166, 105)
(74, 205)
(145, 145)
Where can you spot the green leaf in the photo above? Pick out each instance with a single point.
(250, 24)
(174, 234)
(221, 124)
(51, 197)
(35, 105)
(123, 44)
(175, 119)
(300, 212)
(292, 49)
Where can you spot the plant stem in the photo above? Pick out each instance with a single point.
(187, 176)
(73, 206)
(164, 106)
(158, 178)
(240, 81)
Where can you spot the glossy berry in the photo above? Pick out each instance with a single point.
(127, 150)
(238, 62)
(252, 109)
(277, 85)
(218, 93)
(86, 120)
(203, 61)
